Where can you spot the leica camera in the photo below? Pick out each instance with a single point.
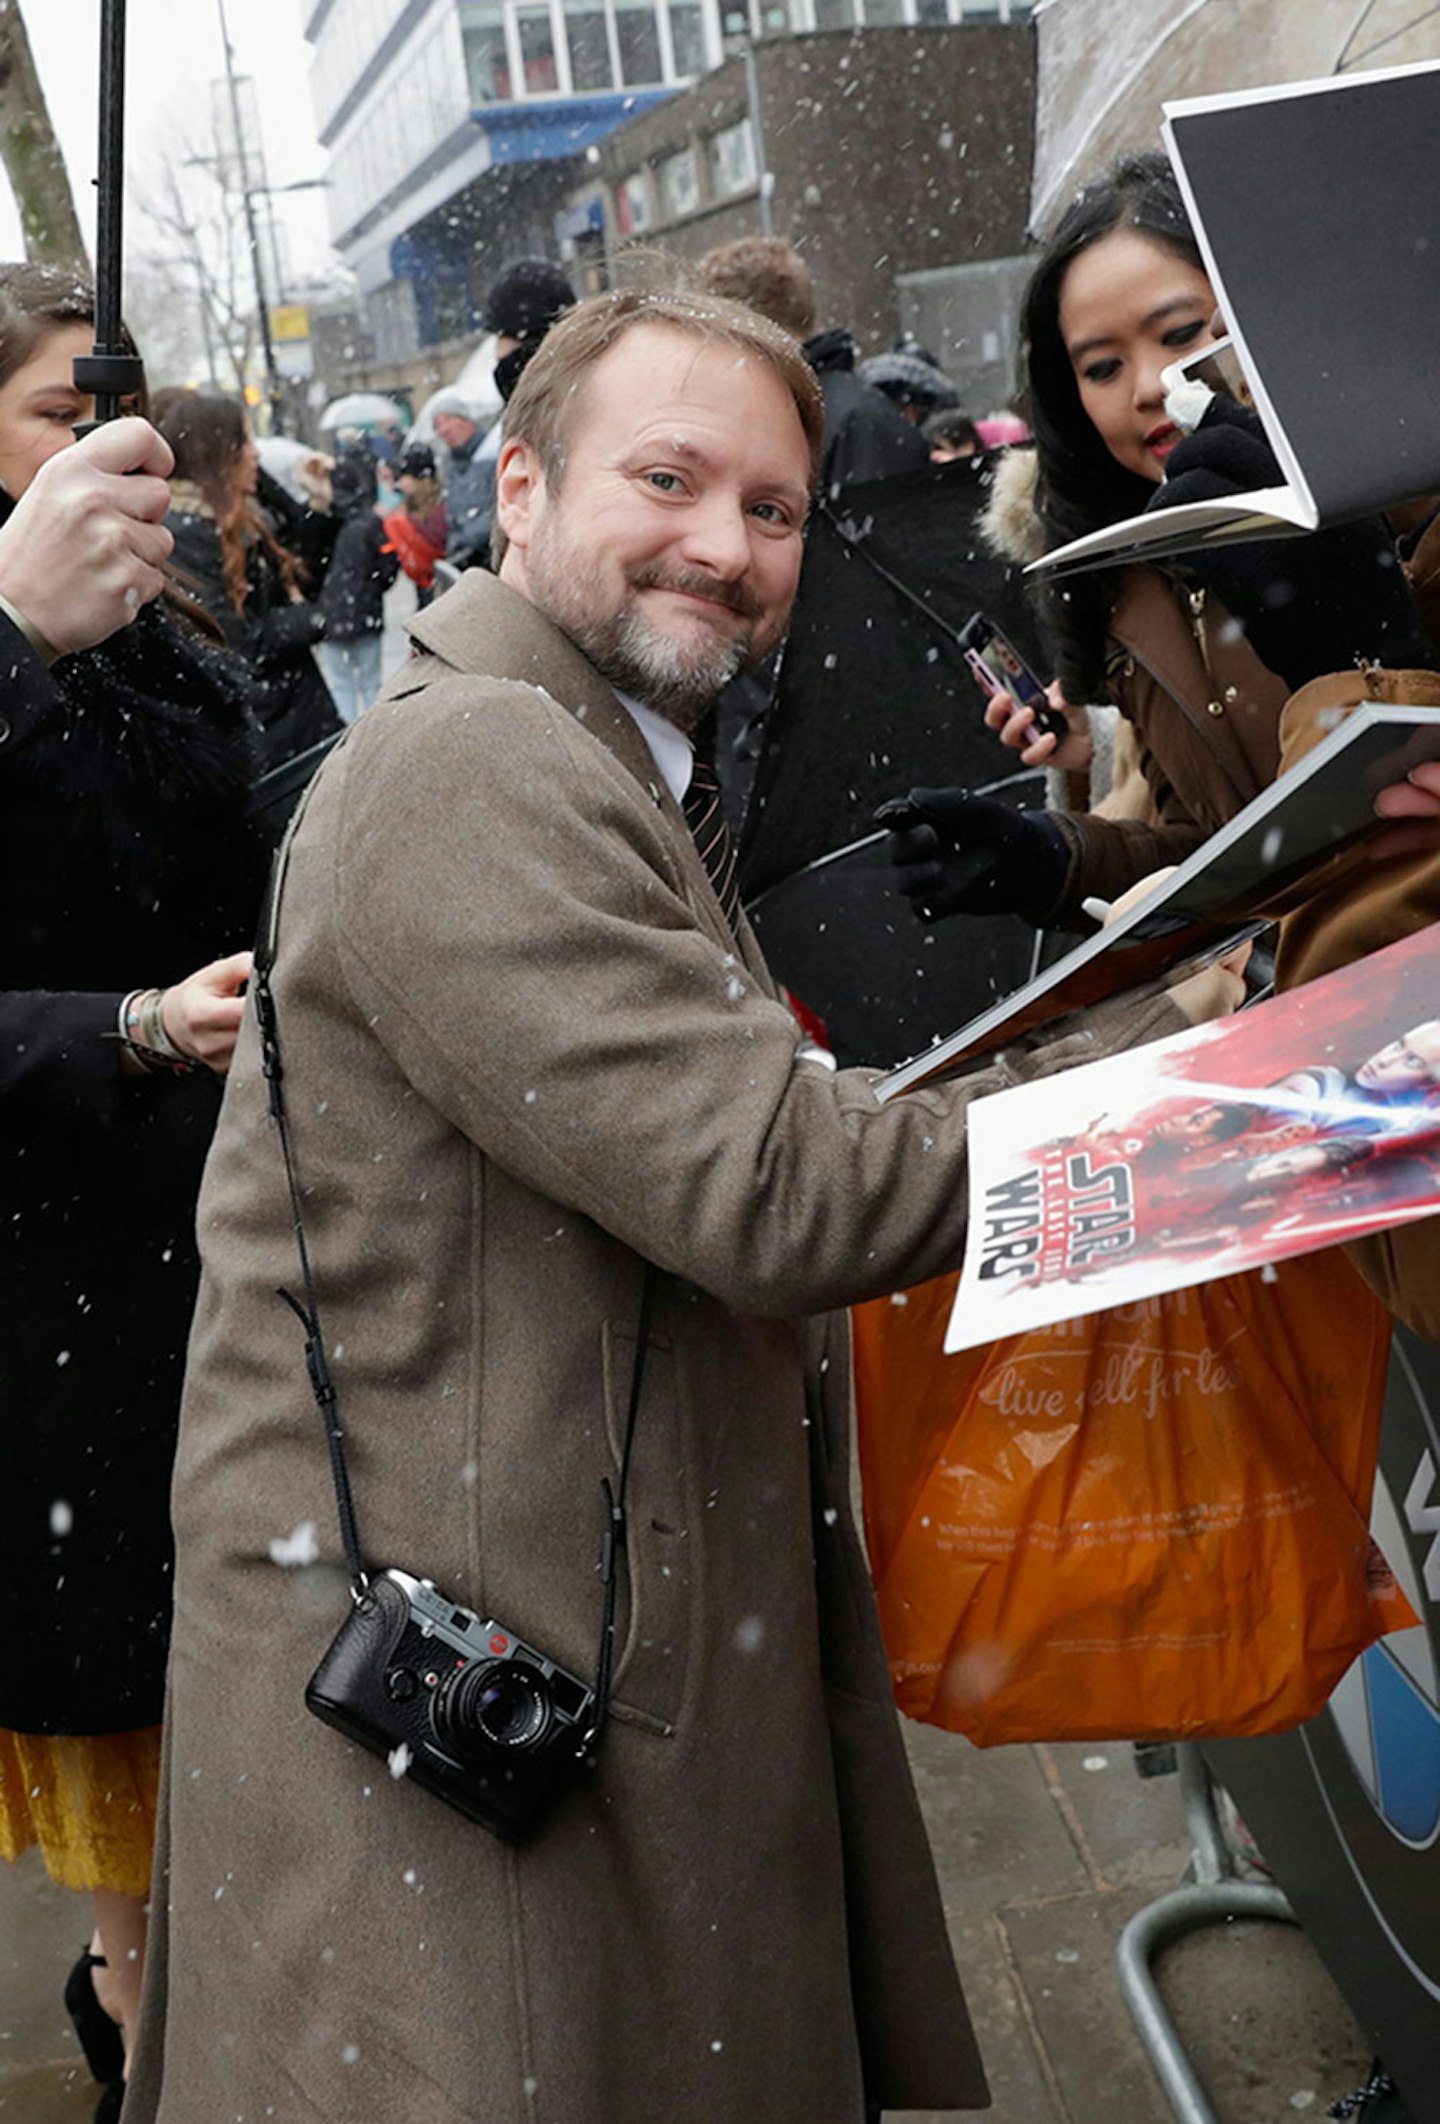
(487, 1723)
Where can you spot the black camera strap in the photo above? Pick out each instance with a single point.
(321, 1384)
(614, 1540)
(308, 1314)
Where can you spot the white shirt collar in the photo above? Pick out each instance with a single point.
(671, 750)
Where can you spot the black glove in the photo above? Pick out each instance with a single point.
(960, 854)
(1311, 604)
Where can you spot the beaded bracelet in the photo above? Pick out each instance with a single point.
(141, 1028)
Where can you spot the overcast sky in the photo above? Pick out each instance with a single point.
(174, 52)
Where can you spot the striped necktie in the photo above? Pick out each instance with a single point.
(706, 821)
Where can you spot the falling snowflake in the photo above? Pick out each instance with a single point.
(298, 1548)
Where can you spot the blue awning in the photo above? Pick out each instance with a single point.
(551, 129)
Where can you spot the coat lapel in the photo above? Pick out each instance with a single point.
(484, 626)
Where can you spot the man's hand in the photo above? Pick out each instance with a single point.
(1216, 989)
(85, 546)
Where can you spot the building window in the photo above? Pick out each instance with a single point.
(589, 50)
(679, 184)
(632, 204)
(732, 161)
(487, 69)
(882, 14)
(609, 44)
(639, 39)
(687, 38)
(537, 51)
(834, 14)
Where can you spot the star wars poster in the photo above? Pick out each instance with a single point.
(1290, 1126)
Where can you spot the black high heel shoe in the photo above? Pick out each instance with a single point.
(107, 2109)
(100, 2037)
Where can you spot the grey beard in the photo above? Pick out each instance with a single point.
(678, 679)
(677, 682)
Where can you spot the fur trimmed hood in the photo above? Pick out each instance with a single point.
(1011, 525)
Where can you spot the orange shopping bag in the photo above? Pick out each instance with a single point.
(1149, 1523)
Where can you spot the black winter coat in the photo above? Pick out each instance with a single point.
(866, 437)
(361, 570)
(273, 634)
(124, 862)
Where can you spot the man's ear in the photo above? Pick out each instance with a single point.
(519, 489)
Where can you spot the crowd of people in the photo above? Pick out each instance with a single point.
(582, 1202)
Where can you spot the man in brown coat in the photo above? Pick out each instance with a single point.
(526, 1053)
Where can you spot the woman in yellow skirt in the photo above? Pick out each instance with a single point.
(125, 858)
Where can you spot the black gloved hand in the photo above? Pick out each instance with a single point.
(960, 854)
(1311, 604)
(1228, 453)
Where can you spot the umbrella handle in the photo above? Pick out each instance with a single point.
(109, 374)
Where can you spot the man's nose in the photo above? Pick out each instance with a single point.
(717, 536)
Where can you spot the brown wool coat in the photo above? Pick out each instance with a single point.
(522, 1052)
(1396, 895)
(1205, 712)
(1200, 714)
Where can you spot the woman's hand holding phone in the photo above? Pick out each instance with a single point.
(1016, 727)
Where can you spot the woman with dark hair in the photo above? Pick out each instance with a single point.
(129, 883)
(255, 587)
(1199, 656)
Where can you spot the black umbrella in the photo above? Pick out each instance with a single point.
(875, 698)
(874, 694)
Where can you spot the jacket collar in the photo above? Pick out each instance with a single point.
(483, 626)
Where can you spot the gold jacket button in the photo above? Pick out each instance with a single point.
(1215, 707)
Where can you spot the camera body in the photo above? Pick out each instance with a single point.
(491, 1726)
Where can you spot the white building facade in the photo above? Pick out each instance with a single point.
(453, 125)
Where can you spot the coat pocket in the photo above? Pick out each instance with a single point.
(657, 1575)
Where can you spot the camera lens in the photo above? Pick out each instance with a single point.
(495, 1704)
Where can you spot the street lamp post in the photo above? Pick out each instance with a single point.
(252, 234)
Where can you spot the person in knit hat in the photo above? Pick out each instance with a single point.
(520, 308)
(910, 380)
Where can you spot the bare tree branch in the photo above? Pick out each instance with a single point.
(31, 153)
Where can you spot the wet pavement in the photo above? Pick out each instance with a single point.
(1044, 1854)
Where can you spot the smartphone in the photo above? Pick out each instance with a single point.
(999, 668)
(1212, 368)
